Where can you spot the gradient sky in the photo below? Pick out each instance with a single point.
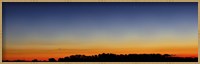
(63, 29)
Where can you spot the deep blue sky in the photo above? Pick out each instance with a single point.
(57, 22)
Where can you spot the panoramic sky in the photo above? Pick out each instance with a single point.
(44, 30)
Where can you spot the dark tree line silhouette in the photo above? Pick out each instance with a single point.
(109, 57)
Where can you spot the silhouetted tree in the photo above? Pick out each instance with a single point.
(109, 57)
(19, 60)
(167, 55)
(52, 60)
(34, 60)
(61, 60)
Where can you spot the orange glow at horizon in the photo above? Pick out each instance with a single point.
(30, 54)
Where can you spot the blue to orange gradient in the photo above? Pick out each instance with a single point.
(44, 30)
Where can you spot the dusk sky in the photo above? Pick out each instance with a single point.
(41, 30)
